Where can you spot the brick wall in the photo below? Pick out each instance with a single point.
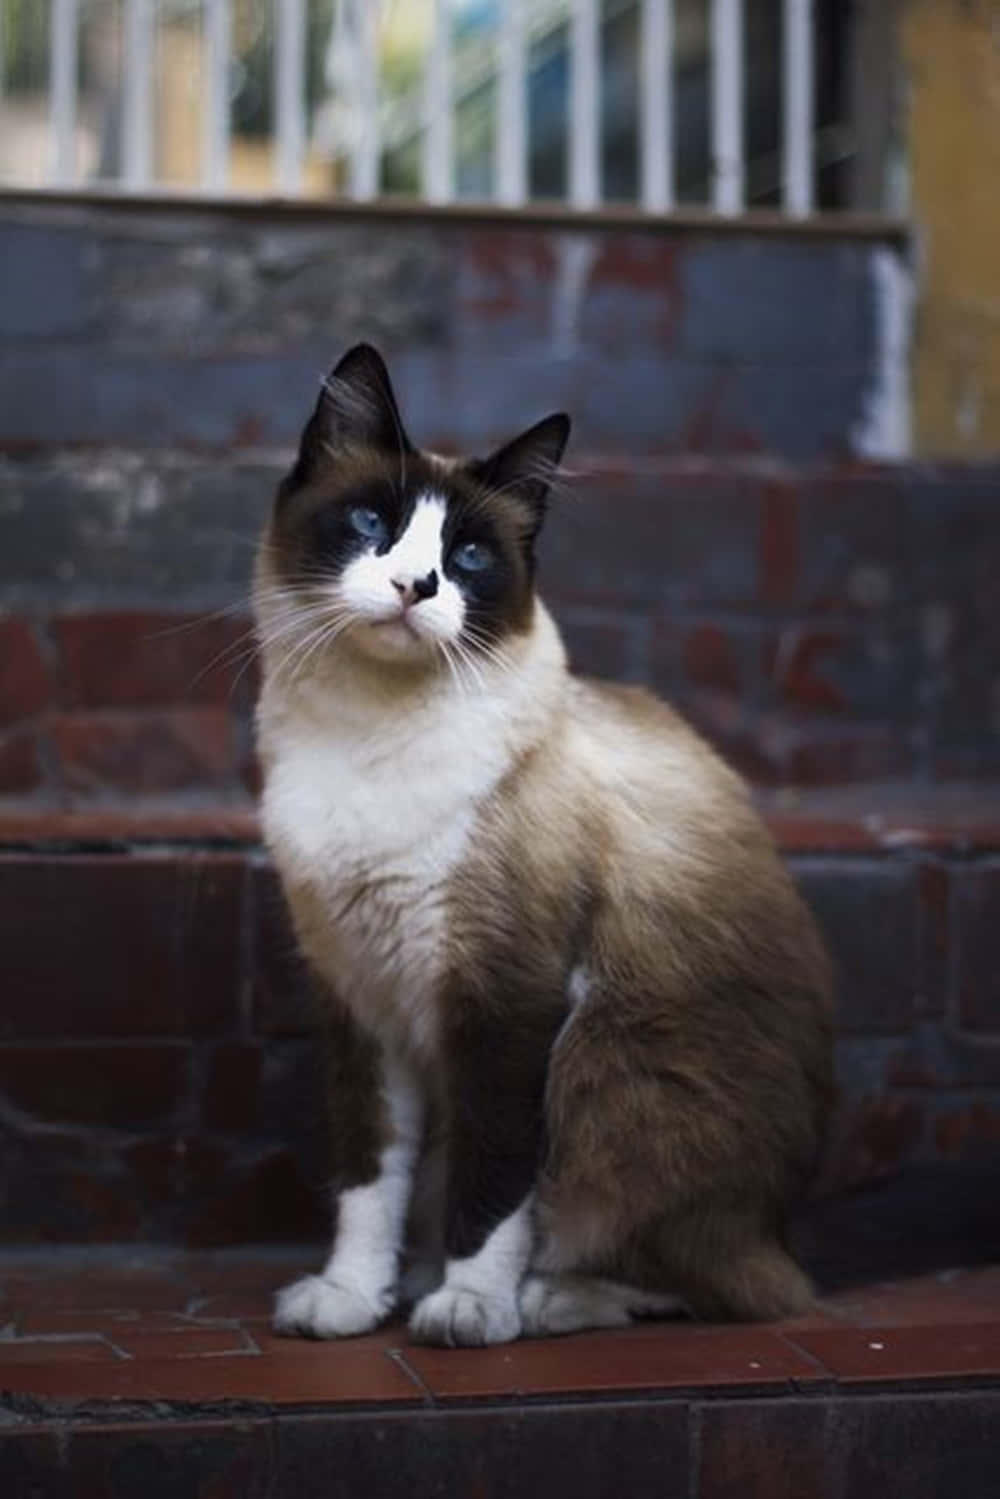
(158, 1079)
(164, 326)
(823, 628)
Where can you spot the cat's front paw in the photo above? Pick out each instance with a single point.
(465, 1319)
(318, 1308)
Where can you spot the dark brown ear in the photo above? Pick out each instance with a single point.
(527, 465)
(356, 408)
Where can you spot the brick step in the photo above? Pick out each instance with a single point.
(824, 626)
(209, 324)
(158, 1373)
(157, 1076)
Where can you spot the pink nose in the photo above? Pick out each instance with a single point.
(414, 590)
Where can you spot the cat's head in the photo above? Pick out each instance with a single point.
(403, 554)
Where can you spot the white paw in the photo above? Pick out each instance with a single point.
(317, 1308)
(465, 1319)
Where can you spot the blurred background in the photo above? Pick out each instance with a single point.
(751, 245)
(389, 79)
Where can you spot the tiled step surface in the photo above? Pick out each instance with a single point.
(123, 1371)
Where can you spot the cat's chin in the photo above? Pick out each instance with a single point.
(393, 640)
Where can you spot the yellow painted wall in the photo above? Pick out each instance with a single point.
(951, 55)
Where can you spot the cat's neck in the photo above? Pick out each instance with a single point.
(512, 693)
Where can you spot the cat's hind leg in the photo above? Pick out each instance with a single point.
(759, 1283)
(552, 1304)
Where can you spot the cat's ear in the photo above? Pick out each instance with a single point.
(527, 465)
(356, 409)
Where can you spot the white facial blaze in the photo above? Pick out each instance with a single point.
(367, 586)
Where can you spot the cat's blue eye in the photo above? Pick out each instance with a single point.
(368, 523)
(472, 557)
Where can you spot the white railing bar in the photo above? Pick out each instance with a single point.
(215, 141)
(290, 93)
(512, 108)
(63, 45)
(365, 156)
(656, 47)
(727, 106)
(798, 107)
(139, 85)
(585, 105)
(438, 163)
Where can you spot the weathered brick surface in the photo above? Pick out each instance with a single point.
(283, 1002)
(977, 902)
(20, 766)
(120, 946)
(868, 913)
(186, 327)
(218, 1131)
(24, 677)
(133, 659)
(123, 1087)
(145, 753)
(707, 582)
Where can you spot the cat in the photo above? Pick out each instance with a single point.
(580, 1019)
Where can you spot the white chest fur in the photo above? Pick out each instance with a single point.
(368, 820)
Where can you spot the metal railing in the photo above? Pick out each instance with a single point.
(497, 66)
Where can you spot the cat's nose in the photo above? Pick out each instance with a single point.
(413, 590)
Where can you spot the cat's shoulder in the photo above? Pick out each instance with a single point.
(642, 739)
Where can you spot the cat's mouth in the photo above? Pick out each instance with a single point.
(398, 636)
(397, 624)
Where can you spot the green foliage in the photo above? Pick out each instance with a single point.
(24, 28)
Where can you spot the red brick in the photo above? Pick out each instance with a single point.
(778, 558)
(977, 937)
(711, 661)
(20, 767)
(118, 1086)
(862, 752)
(267, 1202)
(596, 647)
(740, 736)
(138, 753)
(856, 534)
(933, 912)
(54, 1201)
(966, 1130)
(867, 910)
(128, 659)
(178, 822)
(877, 1138)
(24, 677)
(775, 1449)
(179, 1342)
(282, 1001)
(27, 1351)
(797, 666)
(120, 945)
(231, 1099)
(165, 1170)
